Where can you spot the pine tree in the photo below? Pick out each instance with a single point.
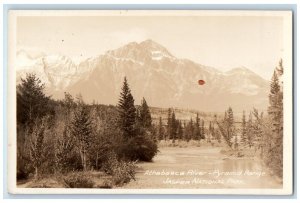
(202, 130)
(32, 103)
(275, 111)
(258, 129)
(249, 129)
(173, 127)
(190, 130)
(32, 106)
(82, 130)
(210, 131)
(145, 115)
(161, 135)
(227, 128)
(169, 124)
(127, 112)
(180, 131)
(244, 130)
(197, 132)
(230, 124)
(185, 131)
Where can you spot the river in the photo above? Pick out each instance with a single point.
(201, 168)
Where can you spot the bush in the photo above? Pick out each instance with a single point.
(121, 171)
(78, 180)
(142, 148)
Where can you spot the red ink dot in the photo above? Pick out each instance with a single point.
(201, 82)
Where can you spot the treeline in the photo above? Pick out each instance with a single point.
(57, 137)
(180, 130)
(175, 129)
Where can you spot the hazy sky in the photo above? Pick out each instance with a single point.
(221, 42)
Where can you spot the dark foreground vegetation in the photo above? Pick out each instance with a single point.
(69, 138)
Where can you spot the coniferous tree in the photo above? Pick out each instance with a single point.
(244, 130)
(275, 111)
(169, 124)
(202, 130)
(258, 129)
(250, 137)
(197, 132)
(173, 127)
(145, 115)
(160, 132)
(180, 131)
(185, 131)
(32, 103)
(32, 106)
(127, 112)
(190, 130)
(211, 131)
(226, 127)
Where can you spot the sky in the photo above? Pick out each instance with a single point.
(226, 42)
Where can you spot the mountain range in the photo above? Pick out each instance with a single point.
(152, 72)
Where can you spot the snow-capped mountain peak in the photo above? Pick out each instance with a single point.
(143, 51)
(153, 73)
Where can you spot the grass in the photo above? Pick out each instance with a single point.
(78, 179)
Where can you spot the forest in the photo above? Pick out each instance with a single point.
(77, 142)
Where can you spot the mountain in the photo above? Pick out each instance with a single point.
(152, 72)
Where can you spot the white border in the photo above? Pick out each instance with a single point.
(11, 111)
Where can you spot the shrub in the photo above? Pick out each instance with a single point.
(78, 180)
(121, 171)
(142, 148)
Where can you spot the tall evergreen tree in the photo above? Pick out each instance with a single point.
(180, 131)
(185, 131)
(197, 131)
(169, 124)
(202, 130)
(32, 106)
(145, 115)
(190, 130)
(258, 129)
(227, 128)
(244, 130)
(211, 131)
(32, 103)
(160, 132)
(173, 127)
(275, 111)
(250, 137)
(230, 124)
(126, 111)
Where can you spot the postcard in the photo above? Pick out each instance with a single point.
(150, 102)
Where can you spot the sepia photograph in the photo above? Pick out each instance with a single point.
(150, 101)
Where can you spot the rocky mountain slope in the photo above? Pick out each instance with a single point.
(152, 72)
